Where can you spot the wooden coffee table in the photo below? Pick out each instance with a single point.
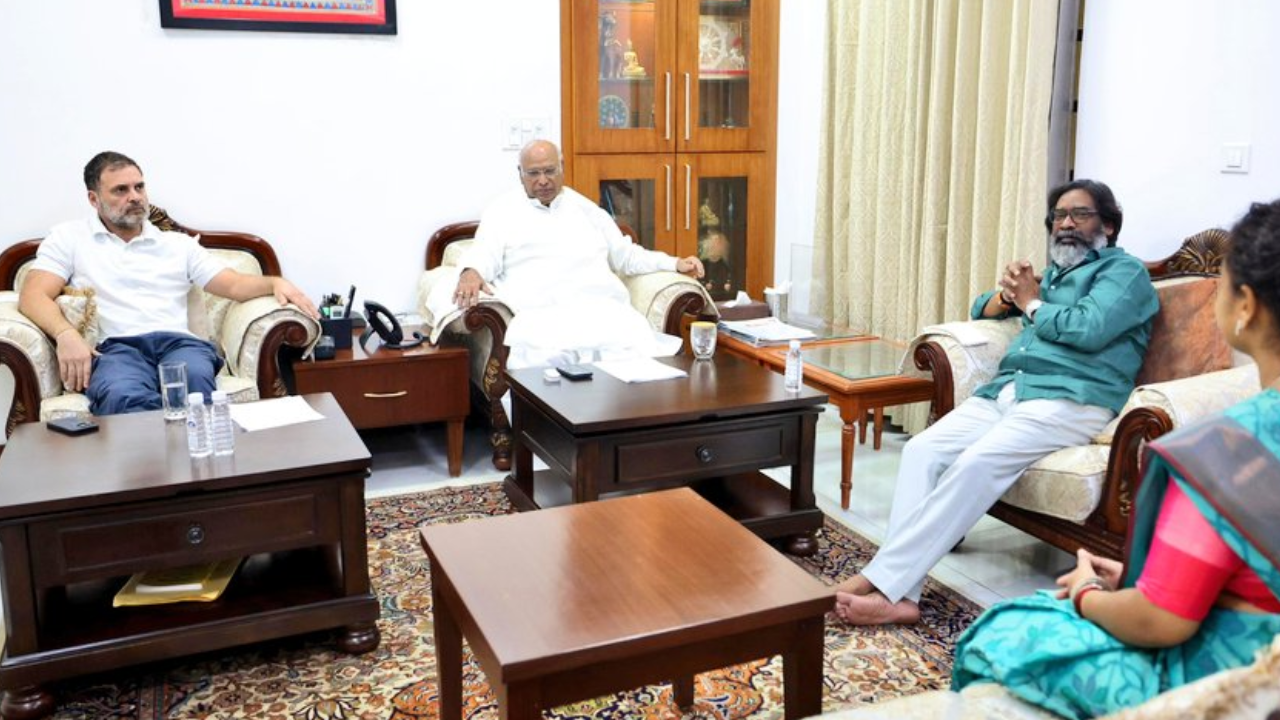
(586, 600)
(860, 374)
(78, 515)
(714, 430)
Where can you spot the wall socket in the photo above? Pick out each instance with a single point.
(519, 131)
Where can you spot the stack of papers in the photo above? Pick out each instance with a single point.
(640, 370)
(765, 331)
(200, 583)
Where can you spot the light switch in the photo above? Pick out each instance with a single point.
(511, 134)
(1235, 158)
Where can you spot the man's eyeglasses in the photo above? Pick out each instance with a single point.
(534, 174)
(1078, 214)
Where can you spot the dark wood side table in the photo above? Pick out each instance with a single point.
(713, 430)
(380, 387)
(80, 514)
(617, 594)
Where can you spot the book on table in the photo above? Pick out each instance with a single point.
(204, 582)
(765, 331)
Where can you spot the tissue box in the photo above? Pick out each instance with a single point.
(730, 310)
(339, 329)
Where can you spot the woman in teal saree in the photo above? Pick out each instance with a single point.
(1201, 590)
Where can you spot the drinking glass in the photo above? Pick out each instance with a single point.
(173, 390)
(702, 336)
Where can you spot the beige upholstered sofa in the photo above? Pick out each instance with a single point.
(1080, 496)
(666, 299)
(250, 335)
(1248, 693)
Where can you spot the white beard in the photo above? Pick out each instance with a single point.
(1067, 255)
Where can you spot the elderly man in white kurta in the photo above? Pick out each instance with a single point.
(554, 258)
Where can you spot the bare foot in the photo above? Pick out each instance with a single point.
(856, 585)
(875, 609)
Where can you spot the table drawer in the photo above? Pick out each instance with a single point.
(165, 533)
(419, 389)
(706, 452)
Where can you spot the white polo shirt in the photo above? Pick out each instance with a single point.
(141, 286)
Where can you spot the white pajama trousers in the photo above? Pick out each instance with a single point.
(955, 470)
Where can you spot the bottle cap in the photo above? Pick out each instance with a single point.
(795, 344)
(195, 398)
(217, 395)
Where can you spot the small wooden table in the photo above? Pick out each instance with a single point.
(585, 600)
(860, 374)
(78, 515)
(713, 430)
(382, 387)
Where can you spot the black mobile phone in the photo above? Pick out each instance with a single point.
(575, 372)
(72, 426)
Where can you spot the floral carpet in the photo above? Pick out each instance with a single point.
(308, 678)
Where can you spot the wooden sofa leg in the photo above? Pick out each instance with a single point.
(501, 441)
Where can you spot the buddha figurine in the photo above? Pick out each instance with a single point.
(631, 66)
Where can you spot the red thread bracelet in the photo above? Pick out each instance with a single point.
(1078, 600)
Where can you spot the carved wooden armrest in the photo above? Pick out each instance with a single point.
(254, 332)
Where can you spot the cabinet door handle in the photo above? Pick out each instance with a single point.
(688, 193)
(382, 396)
(705, 454)
(195, 534)
(687, 110)
(667, 170)
(666, 120)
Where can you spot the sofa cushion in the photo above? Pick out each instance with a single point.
(1065, 484)
(1185, 339)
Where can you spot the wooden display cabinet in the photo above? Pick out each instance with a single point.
(718, 206)
(670, 123)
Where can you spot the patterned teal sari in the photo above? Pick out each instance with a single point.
(1041, 651)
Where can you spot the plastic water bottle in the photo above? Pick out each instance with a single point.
(795, 367)
(222, 430)
(197, 426)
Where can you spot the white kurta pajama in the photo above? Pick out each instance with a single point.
(557, 268)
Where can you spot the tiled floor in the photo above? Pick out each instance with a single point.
(995, 561)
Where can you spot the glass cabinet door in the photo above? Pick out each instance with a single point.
(721, 221)
(636, 191)
(623, 71)
(723, 76)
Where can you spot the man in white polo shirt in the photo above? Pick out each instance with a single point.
(140, 276)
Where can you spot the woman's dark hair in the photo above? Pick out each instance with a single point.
(1254, 255)
(103, 161)
(1103, 199)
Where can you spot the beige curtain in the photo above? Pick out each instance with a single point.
(934, 148)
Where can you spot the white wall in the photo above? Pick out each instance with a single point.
(802, 57)
(344, 151)
(1164, 84)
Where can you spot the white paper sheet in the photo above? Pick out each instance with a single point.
(275, 412)
(640, 370)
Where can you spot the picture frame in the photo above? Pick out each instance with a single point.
(372, 17)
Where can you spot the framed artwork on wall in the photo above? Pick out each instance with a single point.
(377, 17)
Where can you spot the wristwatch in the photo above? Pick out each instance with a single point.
(1032, 307)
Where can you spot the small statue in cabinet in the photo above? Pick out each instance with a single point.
(610, 46)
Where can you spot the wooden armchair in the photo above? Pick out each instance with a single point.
(664, 298)
(251, 335)
(1081, 496)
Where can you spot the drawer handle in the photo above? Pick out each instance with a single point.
(384, 396)
(705, 454)
(195, 534)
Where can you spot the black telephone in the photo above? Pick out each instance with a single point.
(382, 322)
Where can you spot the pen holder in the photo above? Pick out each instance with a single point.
(339, 329)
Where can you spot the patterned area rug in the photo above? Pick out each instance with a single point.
(309, 679)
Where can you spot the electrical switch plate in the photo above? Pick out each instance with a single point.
(1235, 158)
(511, 134)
